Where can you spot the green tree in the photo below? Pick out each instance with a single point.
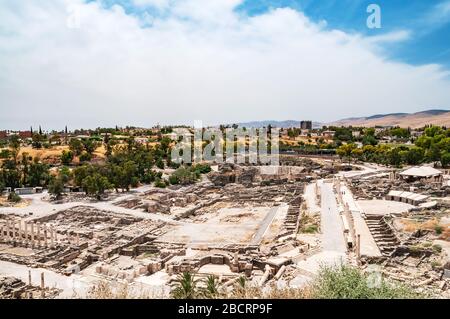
(394, 157)
(414, 156)
(345, 150)
(76, 146)
(39, 174)
(85, 157)
(66, 157)
(89, 146)
(445, 159)
(14, 144)
(96, 185)
(56, 187)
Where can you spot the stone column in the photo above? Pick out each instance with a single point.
(29, 278)
(38, 225)
(45, 235)
(358, 246)
(52, 242)
(42, 284)
(32, 234)
(1, 232)
(8, 234)
(13, 229)
(20, 230)
(25, 232)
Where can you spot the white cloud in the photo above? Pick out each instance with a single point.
(159, 4)
(201, 62)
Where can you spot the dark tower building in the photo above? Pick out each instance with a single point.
(306, 125)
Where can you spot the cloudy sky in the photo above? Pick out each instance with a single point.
(142, 62)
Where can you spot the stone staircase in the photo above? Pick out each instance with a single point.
(292, 216)
(382, 234)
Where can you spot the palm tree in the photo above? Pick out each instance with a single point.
(212, 287)
(186, 287)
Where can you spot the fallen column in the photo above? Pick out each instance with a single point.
(280, 272)
(266, 275)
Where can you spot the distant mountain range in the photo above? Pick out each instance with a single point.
(413, 120)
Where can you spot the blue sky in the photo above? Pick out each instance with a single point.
(427, 20)
(87, 63)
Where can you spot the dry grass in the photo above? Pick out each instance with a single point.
(43, 153)
(5, 203)
(105, 290)
(431, 225)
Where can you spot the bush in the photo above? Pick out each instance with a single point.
(437, 248)
(183, 176)
(85, 157)
(66, 157)
(310, 229)
(346, 282)
(160, 183)
(14, 198)
(202, 168)
(160, 163)
(438, 229)
(173, 180)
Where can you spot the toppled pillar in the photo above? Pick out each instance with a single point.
(265, 276)
(280, 272)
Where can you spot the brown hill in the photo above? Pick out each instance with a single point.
(414, 120)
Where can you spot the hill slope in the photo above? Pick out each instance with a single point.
(413, 120)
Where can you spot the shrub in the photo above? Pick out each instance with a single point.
(346, 282)
(85, 157)
(437, 248)
(14, 198)
(160, 183)
(160, 163)
(438, 229)
(183, 176)
(310, 229)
